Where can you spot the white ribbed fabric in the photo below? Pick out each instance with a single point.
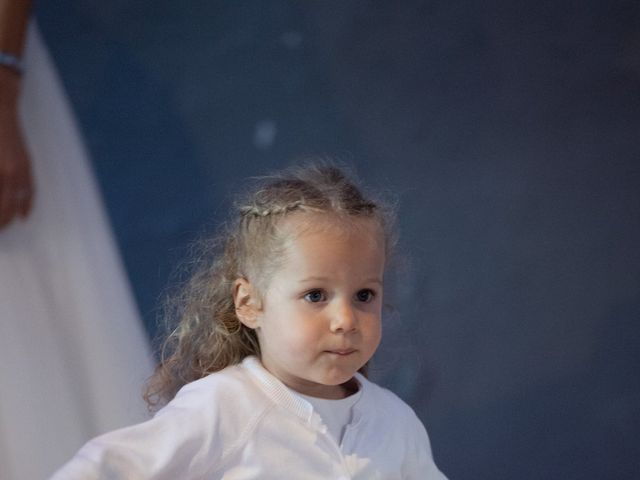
(276, 390)
(73, 355)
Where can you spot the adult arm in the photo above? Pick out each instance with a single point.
(16, 184)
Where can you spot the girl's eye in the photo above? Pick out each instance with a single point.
(315, 296)
(365, 295)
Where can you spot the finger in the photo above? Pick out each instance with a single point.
(20, 186)
(6, 205)
(14, 197)
(24, 192)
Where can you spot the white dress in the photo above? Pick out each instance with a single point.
(73, 354)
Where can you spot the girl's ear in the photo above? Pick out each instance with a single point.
(246, 301)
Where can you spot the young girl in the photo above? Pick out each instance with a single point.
(265, 373)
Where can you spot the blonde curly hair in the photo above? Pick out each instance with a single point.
(204, 333)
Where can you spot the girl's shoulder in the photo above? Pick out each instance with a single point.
(223, 405)
(385, 403)
(227, 395)
(380, 394)
(387, 412)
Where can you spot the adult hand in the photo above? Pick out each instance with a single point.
(16, 184)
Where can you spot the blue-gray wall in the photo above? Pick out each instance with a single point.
(510, 132)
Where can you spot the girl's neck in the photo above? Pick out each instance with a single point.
(350, 387)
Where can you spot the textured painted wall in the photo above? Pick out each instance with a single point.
(509, 131)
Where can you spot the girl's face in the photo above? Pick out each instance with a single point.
(320, 318)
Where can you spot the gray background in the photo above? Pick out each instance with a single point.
(508, 130)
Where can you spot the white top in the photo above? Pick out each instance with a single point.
(243, 423)
(336, 414)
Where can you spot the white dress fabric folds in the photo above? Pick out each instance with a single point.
(73, 353)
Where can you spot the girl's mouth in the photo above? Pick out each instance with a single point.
(342, 352)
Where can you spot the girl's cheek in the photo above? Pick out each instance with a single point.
(301, 340)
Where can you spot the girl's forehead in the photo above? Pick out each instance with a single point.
(308, 223)
(328, 246)
(322, 240)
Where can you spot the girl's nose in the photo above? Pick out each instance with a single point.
(344, 319)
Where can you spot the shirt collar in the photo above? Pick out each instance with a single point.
(276, 390)
(281, 395)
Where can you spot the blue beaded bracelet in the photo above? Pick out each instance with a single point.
(11, 61)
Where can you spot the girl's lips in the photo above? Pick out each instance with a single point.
(342, 352)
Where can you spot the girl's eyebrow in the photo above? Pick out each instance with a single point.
(314, 279)
(324, 279)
